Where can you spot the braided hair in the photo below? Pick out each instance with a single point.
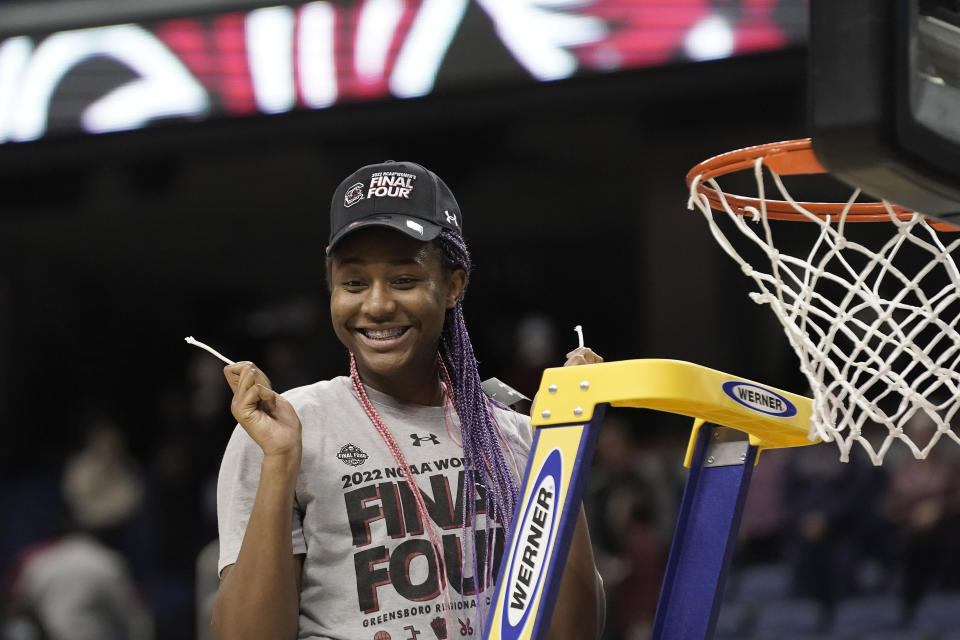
(484, 457)
(481, 448)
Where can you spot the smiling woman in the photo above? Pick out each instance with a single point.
(389, 294)
(410, 532)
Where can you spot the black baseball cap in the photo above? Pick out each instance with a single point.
(400, 195)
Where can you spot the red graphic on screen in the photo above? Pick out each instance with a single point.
(278, 58)
(654, 32)
(216, 54)
(638, 33)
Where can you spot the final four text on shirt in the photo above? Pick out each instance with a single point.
(391, 184)
(391, 566)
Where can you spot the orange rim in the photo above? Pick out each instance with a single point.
(792, 157)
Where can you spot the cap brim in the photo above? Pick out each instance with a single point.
(416, 228)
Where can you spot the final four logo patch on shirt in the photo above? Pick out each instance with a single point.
(352, 455)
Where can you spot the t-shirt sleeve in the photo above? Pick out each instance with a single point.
(236, 491)
(524, 430)
(518, 433)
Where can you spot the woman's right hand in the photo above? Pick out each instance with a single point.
(265, 415)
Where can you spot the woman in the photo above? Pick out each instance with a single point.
(321, 533)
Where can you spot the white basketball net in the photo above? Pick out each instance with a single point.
(875, 330)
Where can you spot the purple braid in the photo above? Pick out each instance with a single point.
(481, 446)
(482, 450)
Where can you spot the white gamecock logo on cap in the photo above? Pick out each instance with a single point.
(451, 218)
(353, 195)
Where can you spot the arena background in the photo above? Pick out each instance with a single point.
(115, 246)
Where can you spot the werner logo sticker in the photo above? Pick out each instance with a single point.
(759, 399)
(534, 537)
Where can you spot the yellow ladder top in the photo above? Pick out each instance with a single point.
(773, 418)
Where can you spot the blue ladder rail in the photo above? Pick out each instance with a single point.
(705, 535)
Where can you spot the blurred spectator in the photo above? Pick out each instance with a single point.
(644, 564)
(191, 429)
(105, 492)
(207, 395)
(624, 504)
(101, 483)
(207, 584)
(73, 584)
(762, 524)
(74, 588)
(831, 508)
(535, 341)
(282, 358)
(923, 501)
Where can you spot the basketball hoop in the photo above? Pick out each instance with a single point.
(874, 324)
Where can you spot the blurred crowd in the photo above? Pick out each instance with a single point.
(105, 547)
(821, 543)
(116, 545)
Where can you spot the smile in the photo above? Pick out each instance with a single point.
(383, 334)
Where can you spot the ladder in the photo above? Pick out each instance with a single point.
(567, 414)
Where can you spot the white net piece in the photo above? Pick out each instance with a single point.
(874, 327)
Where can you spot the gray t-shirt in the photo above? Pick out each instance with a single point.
(369, 572)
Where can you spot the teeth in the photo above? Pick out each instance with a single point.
(383, 334)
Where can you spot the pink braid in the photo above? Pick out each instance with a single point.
(401, 461)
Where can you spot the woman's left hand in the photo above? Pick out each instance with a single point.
(582, 355)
